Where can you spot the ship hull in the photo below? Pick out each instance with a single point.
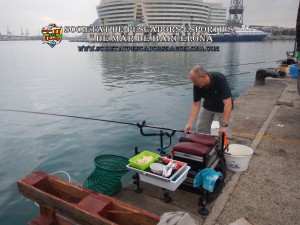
(235, 38)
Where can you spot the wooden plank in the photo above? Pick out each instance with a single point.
(61, 206)
(131, 215)
(79, 204)
(63, 190)
(94, 204)
(41, 220)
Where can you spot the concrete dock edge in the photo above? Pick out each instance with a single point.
(224, 197)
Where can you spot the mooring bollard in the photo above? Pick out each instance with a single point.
(261, 75)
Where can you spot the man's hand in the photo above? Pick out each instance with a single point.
(193, 114)
(187, 128)
(222, 130)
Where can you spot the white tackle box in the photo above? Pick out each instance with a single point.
(170, 183)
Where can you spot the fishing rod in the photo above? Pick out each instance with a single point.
(143, 124)
(242, 64)
(237, 74)
(139, 125)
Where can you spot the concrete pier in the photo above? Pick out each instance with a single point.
(266, 118)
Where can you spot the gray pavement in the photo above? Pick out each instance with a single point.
(269, 191)
(266, 118)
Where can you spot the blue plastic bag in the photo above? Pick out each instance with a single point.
(207, 178)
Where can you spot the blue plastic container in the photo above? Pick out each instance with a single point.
(294, 70)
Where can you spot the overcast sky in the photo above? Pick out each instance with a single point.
(34, 14)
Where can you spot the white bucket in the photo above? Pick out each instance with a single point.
(214, 128)
(238, 158)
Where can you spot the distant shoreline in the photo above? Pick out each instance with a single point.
(74, 39)
(280, 38)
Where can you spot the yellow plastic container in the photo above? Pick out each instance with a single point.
(140, 156)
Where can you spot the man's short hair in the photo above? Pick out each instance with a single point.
(199, 71)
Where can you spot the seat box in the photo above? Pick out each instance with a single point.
(197, 156)
(202, 139)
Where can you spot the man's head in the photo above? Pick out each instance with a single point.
(199, 77)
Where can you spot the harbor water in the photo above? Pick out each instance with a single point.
(123, 86)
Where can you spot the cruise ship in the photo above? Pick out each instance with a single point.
(240, 34)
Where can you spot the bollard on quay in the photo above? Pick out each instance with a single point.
(262, 74)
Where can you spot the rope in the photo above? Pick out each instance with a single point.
(61, 171)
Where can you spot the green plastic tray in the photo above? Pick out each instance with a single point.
(139, 156)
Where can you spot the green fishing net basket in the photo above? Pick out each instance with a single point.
(106, 177)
